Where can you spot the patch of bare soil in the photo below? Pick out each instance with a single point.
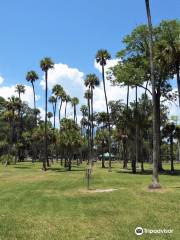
(102, 190)
(160, 190)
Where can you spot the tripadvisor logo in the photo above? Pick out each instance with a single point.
(139, 231)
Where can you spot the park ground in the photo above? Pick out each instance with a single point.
(56, 204)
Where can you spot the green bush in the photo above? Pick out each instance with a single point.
(7, 159)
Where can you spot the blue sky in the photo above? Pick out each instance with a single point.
(69, 31)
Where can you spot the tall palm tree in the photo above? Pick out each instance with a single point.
(155, 177)
(53, 101)
(58, 92)
(31, 77)
(49, 115)
(20, 89)
(67, 99)
(92, 81)
(75, 102)
(12, 105)
(45, 65)
(88, 96)
(101, 57)
(84, 111)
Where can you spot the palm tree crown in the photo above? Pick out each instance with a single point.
(46, 64)
(20, 89)
(102, 56)
(32, 76)
(74, 101)
(91, 81)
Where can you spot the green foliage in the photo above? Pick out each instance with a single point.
(7, 159)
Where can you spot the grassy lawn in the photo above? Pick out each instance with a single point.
(55, 204)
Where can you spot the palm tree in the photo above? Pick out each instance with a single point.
(75, 102)
(53, 101)
(92, 81)
(58, 92)
(84, 110)
(88, 96)
(101, 57)
(49, 115)
(155, 178)
(45, 65)
(67, 99)
(20, 89)
(12, 105)
(32, 76)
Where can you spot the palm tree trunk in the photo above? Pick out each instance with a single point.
(46, 145)
(65, 109)
(74, 114)
(107, 110)
(60, 111)
(155, 178)
(171, 153)
(34, 97)
(178, 81)
(89, 131)
(92, 125)
(160, 167)
(125, 141)
(134, 161)
(55, 106)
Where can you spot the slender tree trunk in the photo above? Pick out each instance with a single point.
(60, 106)
(107, 110)
(34, 98)
(92, 124)
(178, 81)
(160, 168)
(55, 106)
(171, 153)
(45, 137)
(74, 114)
(127, 98)
(89, 132)
(155, 178)
(134, 161)
(125, 141)
(65, 109)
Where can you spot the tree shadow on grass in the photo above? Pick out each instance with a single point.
(23, 167)
(65, 170)
(149, 172)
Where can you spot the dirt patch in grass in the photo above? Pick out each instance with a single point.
(103, 190)
(159, 190)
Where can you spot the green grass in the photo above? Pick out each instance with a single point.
(55, 204)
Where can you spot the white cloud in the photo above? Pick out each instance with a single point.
(114, 93)
(110, 63)
(8, 91)
(1, 79)
(65, 75)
